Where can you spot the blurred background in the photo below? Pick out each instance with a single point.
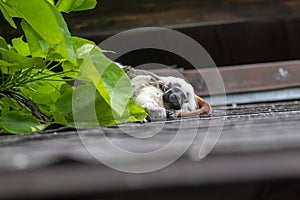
(232, 31)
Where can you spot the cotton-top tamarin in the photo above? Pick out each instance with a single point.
(165, 97)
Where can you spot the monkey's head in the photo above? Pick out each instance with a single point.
(178, 94)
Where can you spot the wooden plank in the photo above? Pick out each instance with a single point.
(249, 78)
(248, 150)
(244, 78)
(81, 181)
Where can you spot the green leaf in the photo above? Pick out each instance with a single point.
(88, 108)
(86, 5)
(75, 5)
(45, 97)
(136, 112)
(51, 1)
(19, 122)
(3, 43)
(83, 51)
(89, 73)
(79, 42)
(113, 85)
(48, 23)
(82, 47)
(7, 105)
(70, 69)
(83, 101)
(21, 47)
(59, 118)
(38, 46)
(23, 62)
(111, 81)
(8, 13)
(68, 6)
(66, 49)
(65, 88)
(44, 91)
(3, 63)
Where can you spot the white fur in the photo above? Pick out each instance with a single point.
(149, 95)
(191, 104)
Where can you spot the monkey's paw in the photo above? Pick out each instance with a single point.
(171, 115)
(156, 114)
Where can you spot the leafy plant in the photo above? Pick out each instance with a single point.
(35, 70)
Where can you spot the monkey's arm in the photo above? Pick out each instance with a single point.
(150, 98)
(204, 109)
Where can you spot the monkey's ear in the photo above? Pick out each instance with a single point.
(162, 87)
(204, 108)
(159, 84)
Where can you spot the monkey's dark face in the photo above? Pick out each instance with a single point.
(174, 96)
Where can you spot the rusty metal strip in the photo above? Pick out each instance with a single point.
(243, 78)
(249, 78)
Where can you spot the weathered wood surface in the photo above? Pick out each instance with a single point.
(110, 17)
(241, 78)
(258, 142)
(232, 31)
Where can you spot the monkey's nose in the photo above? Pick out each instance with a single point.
(175, 99)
